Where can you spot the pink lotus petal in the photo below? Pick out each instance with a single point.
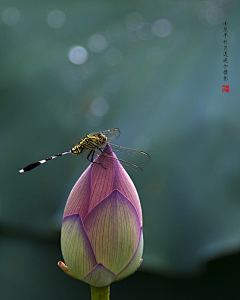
(78, 200)
(100, 179)
(134, 263)
(100, 276)
(117, 179)
(113, 228)
(103, 174)
(76, 247)
(124, 184)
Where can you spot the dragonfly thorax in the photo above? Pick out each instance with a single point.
(89, 142)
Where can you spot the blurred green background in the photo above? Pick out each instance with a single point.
(154, 69)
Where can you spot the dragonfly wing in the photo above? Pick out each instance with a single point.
(127, 165)
(130, 155)
(111, 134)
(130, 166)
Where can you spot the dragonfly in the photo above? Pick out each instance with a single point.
(92, 145)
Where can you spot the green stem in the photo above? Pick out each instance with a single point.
(100, 293)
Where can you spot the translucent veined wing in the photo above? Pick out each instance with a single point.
(127, 165)
(129, 158)
(130, 155)
(111, 134)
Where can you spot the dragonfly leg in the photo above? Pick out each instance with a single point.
(102, 150)
(91, 153)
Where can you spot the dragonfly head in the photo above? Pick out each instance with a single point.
(102, 139)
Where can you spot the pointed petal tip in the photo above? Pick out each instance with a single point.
(107, 149)
(65, 269)
(100, 276)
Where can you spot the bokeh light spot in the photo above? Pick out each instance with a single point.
(162, 28)
(99, 107)
(97, 43)
(78, 55)
(56, 19)
(11, 16)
